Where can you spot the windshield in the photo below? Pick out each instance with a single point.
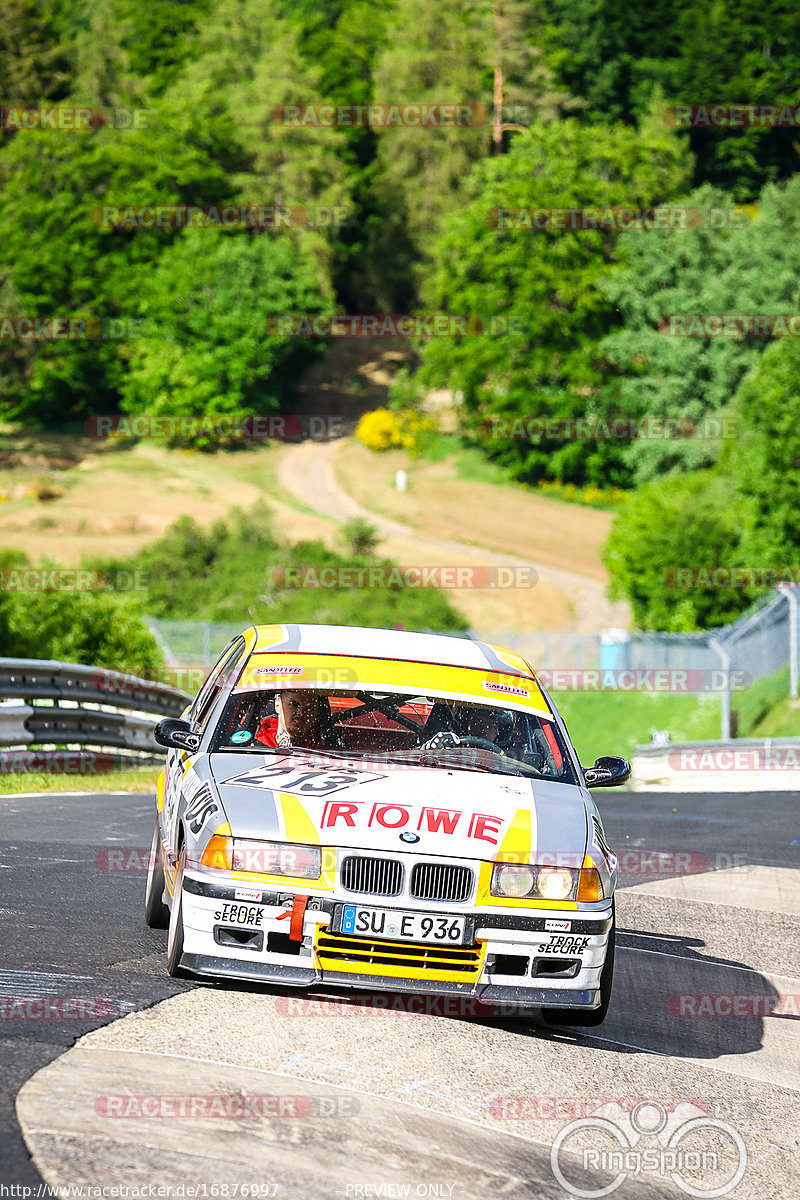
(420, 731)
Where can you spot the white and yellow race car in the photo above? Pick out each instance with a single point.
(384, 810)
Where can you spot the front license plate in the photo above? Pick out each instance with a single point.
(402, 926)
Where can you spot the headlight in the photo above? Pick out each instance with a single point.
(508, 879)
(533, 883)
(555, 883)
(277, 858)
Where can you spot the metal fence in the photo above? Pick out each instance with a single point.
(61, 716)
(719, 661)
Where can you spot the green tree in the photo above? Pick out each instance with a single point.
(765, 461)
(241, 570)
(536, 291)
(34, 63)
(612, 54)
(206, 307)
(689, 521)
(748, 267)
(250, 67)
(57, 259)
(96, 628)
(434, 55)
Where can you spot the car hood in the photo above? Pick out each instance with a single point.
(371, 805)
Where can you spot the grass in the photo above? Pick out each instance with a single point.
(142, 779)
(442, 502)
(768, 711)
(615, 722)
(115, 499)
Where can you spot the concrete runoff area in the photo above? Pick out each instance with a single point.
(704, 1014)
(764, 889)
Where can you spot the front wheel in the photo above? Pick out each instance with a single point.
(590, 1016)
(156, 913)
(175, 935)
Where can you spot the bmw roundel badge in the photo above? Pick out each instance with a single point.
(409, 837)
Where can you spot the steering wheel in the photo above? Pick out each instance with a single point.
(481, 743)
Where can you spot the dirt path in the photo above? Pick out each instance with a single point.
(562, 601)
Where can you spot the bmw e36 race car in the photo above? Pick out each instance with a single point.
(384, 810)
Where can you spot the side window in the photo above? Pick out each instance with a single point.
(217, 680)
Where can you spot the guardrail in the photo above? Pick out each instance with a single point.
(735, 765)
(57, 704)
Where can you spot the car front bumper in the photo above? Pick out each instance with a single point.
(511, 961)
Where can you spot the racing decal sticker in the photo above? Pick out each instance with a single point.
(506, 688)
(272, 672)
(550, 926)
(200, 804)
(599, 837)
(392, 815)
(247, 894)
(562, 944)
(286, 776)
(241, 914)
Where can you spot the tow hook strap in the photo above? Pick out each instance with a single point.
(296, 923)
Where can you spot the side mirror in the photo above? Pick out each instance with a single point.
(175, 732)
(608, 771)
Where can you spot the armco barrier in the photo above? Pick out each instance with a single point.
(54, 704)
(735, 765)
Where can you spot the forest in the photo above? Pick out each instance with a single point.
(590, 184)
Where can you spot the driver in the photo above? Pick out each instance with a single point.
(482, 723)
(488, 724)
(303, 719)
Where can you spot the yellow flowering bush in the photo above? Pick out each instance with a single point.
(591, 494)
(383, 429)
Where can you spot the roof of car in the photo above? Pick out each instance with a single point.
(357, 641)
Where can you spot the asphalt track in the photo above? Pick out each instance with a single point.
(441, 1097)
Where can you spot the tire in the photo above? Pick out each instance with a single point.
(590, 1016)
(156, 912)
(175, 935)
